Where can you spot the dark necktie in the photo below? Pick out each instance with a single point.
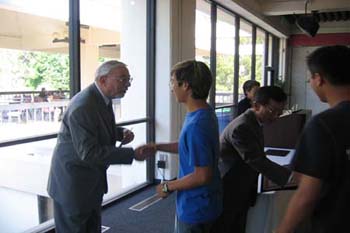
(110, 110)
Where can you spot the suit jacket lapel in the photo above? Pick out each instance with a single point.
(106, 114)
(257, 128)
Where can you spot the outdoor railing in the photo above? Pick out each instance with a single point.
(40, 111)
(10, 97)
(225, 97)
(29, 106)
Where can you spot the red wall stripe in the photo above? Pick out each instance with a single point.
(319, 40)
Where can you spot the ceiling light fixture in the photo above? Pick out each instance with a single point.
(308, 23)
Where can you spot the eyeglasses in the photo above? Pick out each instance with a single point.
(274, 111)
(123, 79)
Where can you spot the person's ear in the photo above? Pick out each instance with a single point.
(318, 79)
(103, 79)
(185, 85)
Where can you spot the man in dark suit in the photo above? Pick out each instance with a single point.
(85, 148)
(243, 158)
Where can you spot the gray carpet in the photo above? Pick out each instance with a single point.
(158, 218)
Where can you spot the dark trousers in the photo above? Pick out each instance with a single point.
(87, 222)
(231, 222)
(181, 227)
(237, 200)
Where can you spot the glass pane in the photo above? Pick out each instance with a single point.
(282, 64)
(203, 31)
(225, 116)
(24, 173)
(245, 55)
(23, 180)
(225, 45)
(270, 52)
(109, 30)
(260, 56)
(122, 178)
(34, 67)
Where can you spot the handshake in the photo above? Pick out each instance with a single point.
(145, 151)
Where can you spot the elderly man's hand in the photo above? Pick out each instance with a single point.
(128, 136)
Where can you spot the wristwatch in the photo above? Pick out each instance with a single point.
(165, 188)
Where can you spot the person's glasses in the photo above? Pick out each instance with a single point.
(123, 79)
(274, 111)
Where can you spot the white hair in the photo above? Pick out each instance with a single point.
(106, 67)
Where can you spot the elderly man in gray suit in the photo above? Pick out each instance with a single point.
(242, 158)
(86, 147)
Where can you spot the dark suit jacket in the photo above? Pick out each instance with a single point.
(242, 158)
(85, 148)
(243, 105)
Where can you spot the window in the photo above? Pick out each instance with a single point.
(35, 91)
(110, 30)
(203, 32)
(260, 56)
(225, 40)
(34, 69)
(225, 50)
(245, 54)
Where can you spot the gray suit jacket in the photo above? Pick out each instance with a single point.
(85, 148)
(242, 156)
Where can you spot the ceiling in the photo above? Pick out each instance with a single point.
(323, 10)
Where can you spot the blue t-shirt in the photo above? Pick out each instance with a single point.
(199, 147)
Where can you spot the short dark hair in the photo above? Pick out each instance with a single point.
(332, 63)
(196, 74)
(248, 86)
(267, 93)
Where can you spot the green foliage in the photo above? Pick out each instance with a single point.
(225, 71)
(259, 69)
(45, 69)
(102, 59)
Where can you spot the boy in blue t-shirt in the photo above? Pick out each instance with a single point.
(199, 196)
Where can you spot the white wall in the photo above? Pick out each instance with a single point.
(301, 92)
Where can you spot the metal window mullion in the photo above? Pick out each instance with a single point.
(266, 57)
(275, 56)
(253, 58)
(74, 46)
(236, 61)
(213, 19)
(150, 82)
